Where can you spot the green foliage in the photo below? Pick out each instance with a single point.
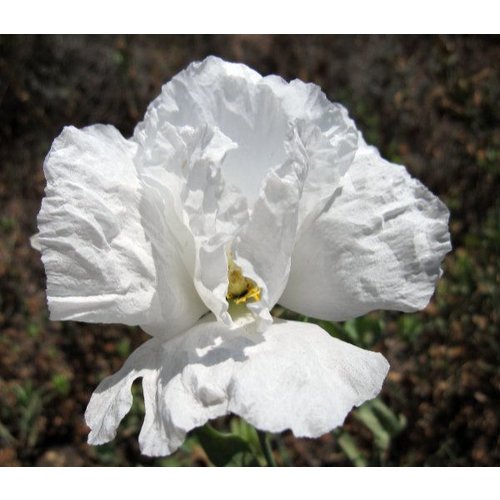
(184, 456)
(349, 447)
(363, 332)
(30, 403)
(225, 449)
(7, 224)
(6, 436)
(382, 422)
(106, 454)
(384, 425)
(410, 326)
(61, 384)
(123, 348)
(33, 330)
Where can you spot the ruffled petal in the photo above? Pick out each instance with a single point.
(185, 383)
(376, 244)
(229, 97)
(300, 378)
(328, 137)
(98, 262)
(295, 376)
(290, 195)
(180, 170)
(95, 234)
(179, 305)
(254, 112)
(265, 245)
(112, 399)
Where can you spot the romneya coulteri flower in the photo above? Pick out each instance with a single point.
(236, 192)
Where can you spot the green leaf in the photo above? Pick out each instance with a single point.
(393, 423)
(224, 449)
(245, 431)
(383, 423)
(366, 416)
(349, 447)
(410, 327)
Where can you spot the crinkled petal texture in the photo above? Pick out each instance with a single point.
(294, 376)
(284, 149)
(230, 164)
(96, 247)
(377, 243)
(226, 161)
(255, 113)
(190, 206)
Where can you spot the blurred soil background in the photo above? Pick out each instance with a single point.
(430, 103)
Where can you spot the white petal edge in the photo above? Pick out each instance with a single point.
(301, 378)
(255, 113)
(377, 244)
(295, 376)
(96, 241)
(98, 263)
(228, 96)
(35, 243)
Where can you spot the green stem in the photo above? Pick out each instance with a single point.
(266, 448)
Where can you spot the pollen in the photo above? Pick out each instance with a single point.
(240, 288)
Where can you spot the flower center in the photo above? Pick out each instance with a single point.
(241, 289)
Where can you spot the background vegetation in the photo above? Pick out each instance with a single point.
(430, 103)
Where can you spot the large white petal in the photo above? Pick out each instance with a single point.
(228, 96)
(295, 376)
(377, 244)
(255, 113)
(300, 378)
(185, 383)
(100, 264)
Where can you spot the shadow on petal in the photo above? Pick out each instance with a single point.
(185, 383)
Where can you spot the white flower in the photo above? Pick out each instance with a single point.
(236, 192)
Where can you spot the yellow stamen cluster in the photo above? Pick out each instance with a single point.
(241, 289)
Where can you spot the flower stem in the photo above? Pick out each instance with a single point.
(266, 448)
